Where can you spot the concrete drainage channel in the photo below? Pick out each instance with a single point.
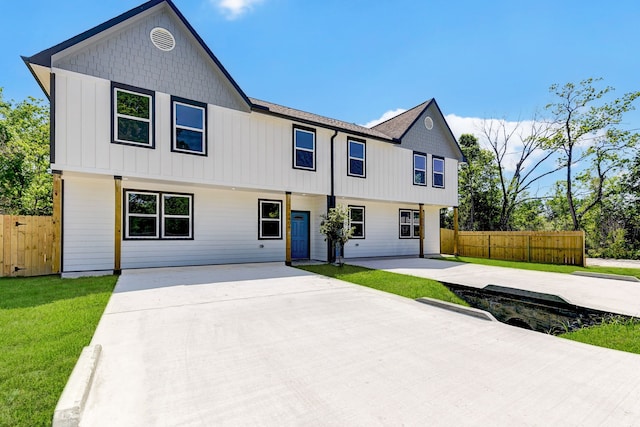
(535, 311)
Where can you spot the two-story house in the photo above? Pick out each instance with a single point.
(160, 159)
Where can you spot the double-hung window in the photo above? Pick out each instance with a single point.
(419, 169)
(438, 172)
(409, 224)
(156, 215)
(270, 219)
(189, 121)
(356, 221)
(133, 113)
(357, 157)
(304, 148)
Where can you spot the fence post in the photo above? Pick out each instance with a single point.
(529, 247)
(489, 247)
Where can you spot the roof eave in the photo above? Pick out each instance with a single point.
(266, 110)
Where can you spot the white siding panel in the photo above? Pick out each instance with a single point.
(245, 150)
(88, 143)
(74, 120)
(88, 219)
(103, 125)
(61, 120)
(225, 231)
(389, 176)
(381, 231)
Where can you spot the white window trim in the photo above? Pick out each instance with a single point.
(416, 169)
(125, 116)
(350, 157)
(358, 222)
(295, 147)
(137, 215)
(261, 220)
(433, 167)
(411, 223)
(189, 216)
(176, 126)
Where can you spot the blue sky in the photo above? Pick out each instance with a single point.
(355, 60)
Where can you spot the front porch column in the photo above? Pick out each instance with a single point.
(56, 259)
(455, 231)
(117, 226)
(421, 207)
(287, 205)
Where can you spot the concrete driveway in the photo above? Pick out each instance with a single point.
(264, 344)
(615, 296)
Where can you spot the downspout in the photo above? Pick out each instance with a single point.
(331, 198)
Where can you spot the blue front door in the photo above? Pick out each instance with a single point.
(299, 235)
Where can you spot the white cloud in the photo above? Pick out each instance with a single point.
(233, 9)
(385, 116)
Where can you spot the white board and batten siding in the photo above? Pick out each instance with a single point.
(247, 150)
(382, 231)
(389, 176)
(88, 223)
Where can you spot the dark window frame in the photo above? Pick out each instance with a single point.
(411, 224)
(260, 219)
(433, 171)
(363, 160)
(115, 87)
(174, 126)
(294, 148)
(364, 228)
(416, 153)
(159, 215)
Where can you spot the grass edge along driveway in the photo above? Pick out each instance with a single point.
(44, 324)
(400, 284)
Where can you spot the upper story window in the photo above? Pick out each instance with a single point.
(189, 134)
(304, 148)
(357, 157)
(438, 172)
(356, 221)
(270, 219)
(419, 169)
(133, 115)
(155, 215)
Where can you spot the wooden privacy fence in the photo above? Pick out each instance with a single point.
(548, 247)
(28, 247)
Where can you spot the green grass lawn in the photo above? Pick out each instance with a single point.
(553, 268)
(617, 334)
(399, 284)
(44, 324)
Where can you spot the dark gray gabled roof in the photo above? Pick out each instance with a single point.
(44, 58)
(397, 126)
(315, 119)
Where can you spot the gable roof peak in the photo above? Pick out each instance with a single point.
(398, 125)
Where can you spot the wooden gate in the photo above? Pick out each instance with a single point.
(28, 247)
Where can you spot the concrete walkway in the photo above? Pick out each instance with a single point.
(602, 294)
(268, 345)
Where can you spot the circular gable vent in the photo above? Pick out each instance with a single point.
(162, 39)
(428, 123)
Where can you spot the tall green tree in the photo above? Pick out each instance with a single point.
(586, 132)
(25, 182)
(479, 197)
